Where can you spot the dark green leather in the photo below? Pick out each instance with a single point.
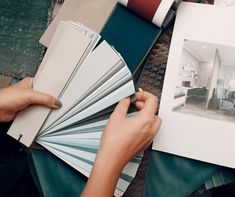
(131, 36)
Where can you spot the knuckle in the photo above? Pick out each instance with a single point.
(149, 134)
(27, 78)
(156, 99)
(147, 120)
(28, 81)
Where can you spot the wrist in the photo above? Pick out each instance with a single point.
(110, 162)
(104, 176)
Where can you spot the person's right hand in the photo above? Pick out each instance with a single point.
(125, 136)
(122, 139)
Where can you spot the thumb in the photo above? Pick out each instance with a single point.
(44, 99)
(122, 107)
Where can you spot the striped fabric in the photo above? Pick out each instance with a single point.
(152, 10)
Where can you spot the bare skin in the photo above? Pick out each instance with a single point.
(19, 96)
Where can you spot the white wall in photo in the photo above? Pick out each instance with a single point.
(227, 76)
(205, 72)
(188, 65)
(215, 73)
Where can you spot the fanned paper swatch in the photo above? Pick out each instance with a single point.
(87, 78)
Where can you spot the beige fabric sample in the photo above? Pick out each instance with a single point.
(92, 13)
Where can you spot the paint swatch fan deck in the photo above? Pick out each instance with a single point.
(88, 78)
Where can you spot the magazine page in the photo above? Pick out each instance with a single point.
(198, 100)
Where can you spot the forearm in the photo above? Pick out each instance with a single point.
(103, 178)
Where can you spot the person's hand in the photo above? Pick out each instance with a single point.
(125, 136)
(19, 96)
(122, 139)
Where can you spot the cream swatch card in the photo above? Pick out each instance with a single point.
(93, 69)
(93, 14)
(30, 120)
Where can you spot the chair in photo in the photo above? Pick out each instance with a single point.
(227, 103)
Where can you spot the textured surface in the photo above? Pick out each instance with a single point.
(154, 70)
(22, 23)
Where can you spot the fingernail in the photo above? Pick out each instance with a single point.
(58, 104)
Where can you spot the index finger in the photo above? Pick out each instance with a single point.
(150, 102)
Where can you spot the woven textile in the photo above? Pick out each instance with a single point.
(154, 70)
(22, 23)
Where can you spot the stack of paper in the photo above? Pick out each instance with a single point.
(87, 81)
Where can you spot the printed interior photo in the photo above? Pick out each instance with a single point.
(205, 85)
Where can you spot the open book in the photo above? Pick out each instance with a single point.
(198, 99)
(88, 79)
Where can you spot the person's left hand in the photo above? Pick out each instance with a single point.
(19, 96)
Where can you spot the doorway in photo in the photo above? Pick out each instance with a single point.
(205, 84)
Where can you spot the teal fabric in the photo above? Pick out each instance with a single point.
(53, 177)
(167, 175)
(22, 23)
(131, 36)
(171, 175)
